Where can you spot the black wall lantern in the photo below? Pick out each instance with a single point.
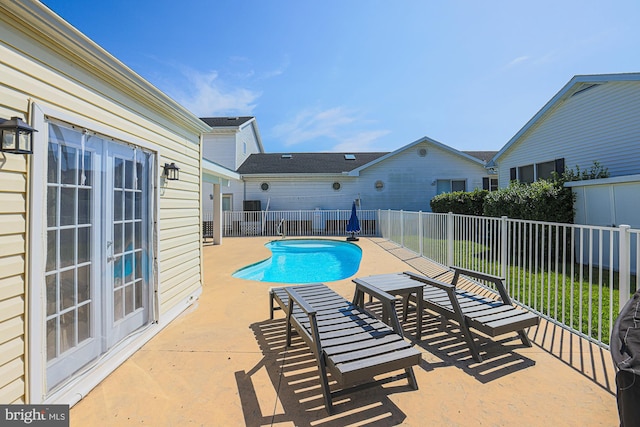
(171, 172)
(16, 136)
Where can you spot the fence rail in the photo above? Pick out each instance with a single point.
(577, 276)
(294, 223)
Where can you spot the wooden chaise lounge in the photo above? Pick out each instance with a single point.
(347, 341)
(490, 316)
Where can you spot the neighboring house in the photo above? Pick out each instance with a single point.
(404, 179)
(230, 141)
(593, 118)
(98, 250)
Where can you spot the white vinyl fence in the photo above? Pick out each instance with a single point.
(577, 276)
(294, 223)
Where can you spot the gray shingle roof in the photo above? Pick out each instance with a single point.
(268, 163)
(485, 156)
(226, 121)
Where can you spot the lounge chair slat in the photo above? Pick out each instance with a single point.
(365, 369)
(357, 345)
(368, 352)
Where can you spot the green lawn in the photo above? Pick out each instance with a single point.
(558, 292)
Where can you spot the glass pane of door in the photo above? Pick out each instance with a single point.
(128, 239)
(72, 292)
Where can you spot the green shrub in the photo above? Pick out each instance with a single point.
(540, 201)
(596, 171)
(460, 202)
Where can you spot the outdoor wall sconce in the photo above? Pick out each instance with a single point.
(171, 172)
(16, 136)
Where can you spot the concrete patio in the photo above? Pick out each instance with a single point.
(223, 363)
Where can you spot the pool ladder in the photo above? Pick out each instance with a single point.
(281, 228)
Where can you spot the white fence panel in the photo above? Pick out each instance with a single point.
(577, 276)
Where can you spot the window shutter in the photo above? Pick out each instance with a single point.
(485, 183)
(560, 166)
(512, 174)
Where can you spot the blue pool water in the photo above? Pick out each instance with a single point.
(305, 261)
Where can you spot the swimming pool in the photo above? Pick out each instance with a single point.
(305, 261)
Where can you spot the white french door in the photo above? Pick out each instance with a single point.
(127, 241)
(97, 271)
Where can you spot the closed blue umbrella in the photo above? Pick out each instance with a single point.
(353, 226)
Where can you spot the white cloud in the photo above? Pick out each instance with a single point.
(311, 124)
(276, 71)
(206, 95)
(363, 141)
(517, 61)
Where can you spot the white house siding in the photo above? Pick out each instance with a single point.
(226, 148)
(600, 124)
(408, 178)
(303, 192)
(70, 79)
(221, 148)
(246, 137)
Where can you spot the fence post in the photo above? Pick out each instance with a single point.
(624, 265)
(504, 246)
(401, 228)
(389, 224)
(450, 237)
(420, 248)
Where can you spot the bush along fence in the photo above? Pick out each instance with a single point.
(577, 276)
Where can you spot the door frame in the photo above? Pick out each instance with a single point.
(35, 292)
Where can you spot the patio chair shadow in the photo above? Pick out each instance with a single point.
(445, 340)
(293, 373)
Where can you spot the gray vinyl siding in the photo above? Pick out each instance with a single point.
(600, 124)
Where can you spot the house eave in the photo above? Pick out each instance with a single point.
(217, 174)
(295, 175)
(604, 181)
(39, 23)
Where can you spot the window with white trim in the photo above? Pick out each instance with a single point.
(450, 185)
(490, 183)
(530, 173)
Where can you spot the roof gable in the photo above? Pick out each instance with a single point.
(424, 139)
(578, 84)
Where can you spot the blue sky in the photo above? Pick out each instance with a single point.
(365, 75)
